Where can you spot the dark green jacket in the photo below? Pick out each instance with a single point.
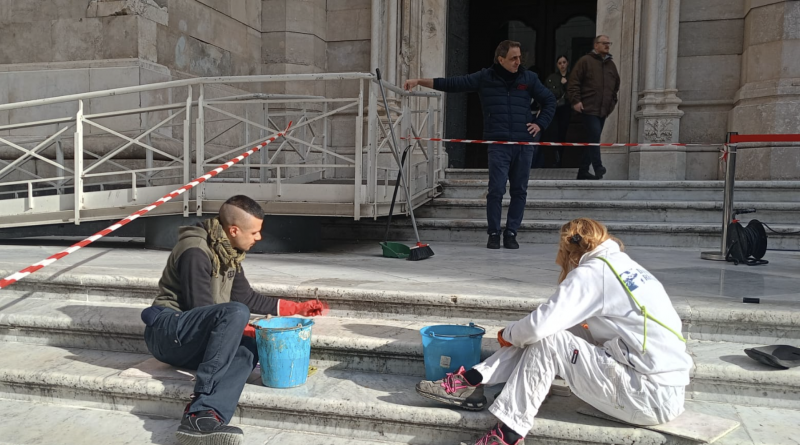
(169, 287)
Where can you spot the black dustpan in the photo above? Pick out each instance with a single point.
(778, 356)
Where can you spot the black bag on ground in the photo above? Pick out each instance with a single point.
(747, 244)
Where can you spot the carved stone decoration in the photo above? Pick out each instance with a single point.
(658, 130)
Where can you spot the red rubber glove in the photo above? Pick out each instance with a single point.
(310, 308)
(249, 331)
(501, 340)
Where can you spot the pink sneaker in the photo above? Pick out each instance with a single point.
(495, 437)
(454, 389)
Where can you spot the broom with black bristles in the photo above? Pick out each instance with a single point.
(420, 251)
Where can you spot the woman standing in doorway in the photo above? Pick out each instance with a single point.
(557, 84)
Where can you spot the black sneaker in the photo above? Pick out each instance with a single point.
(585, 175)
(510, 241)
(599, 172)
(494, 241)
(207, 428)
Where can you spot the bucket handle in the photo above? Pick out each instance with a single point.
(472, 325)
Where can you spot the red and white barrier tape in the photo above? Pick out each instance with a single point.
(551, 144)
(736, 138)
(13, 278)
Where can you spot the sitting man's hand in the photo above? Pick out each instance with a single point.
(310, 308)
(313, 308)
(501, 340)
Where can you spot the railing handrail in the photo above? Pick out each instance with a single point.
(209, 80)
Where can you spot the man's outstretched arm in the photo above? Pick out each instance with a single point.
(265, 305)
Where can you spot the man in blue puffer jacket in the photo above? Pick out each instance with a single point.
(506, 90)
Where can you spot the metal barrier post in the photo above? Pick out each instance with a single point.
(727, 203)
(187, 149)
(200, 149)
(359, 146)
(78, 173)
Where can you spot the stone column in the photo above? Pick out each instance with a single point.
(770, 85)
(658, 116)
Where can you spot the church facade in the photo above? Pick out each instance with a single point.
(692, 70)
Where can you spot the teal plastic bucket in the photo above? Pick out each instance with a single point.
(284, 350)
(448, 347)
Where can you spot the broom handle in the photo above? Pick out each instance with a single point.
(394, 196)
(393, 146)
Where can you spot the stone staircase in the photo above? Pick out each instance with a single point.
(644, 213)
(67, 338)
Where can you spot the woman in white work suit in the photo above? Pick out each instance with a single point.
(635, 370)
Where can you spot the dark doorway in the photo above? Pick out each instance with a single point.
(545, 28)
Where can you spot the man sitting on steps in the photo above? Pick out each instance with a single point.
(629, 372)
(201, 312)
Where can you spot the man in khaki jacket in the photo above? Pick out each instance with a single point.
(592, 90)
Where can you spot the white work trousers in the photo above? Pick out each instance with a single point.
(592, 374)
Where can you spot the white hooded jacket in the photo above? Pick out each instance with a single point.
(591, 293)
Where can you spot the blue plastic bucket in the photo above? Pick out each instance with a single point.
(449, 347)
(284, 350)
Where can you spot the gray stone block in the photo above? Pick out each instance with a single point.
(349, 24)
(29, 85)
(189, 55)
(762, 62)
(702, 165)
(34, 45)
(711, 38)
(15, 11)
(148, 39)
(109, 78)
(709, 73)
(706, 10)
(93, 39)
(293, 48)
(348, 56)
(273, 15)
(764, 24)
(339, 5)
(208, 25)
(704, 124)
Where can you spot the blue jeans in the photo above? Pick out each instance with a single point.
(510, 163)
(591, 155)
(208, 339)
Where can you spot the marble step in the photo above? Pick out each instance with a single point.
(693, 290)
(473, 230)
(723, 372)
(456, 186)
(371, 407)
(706, 212)
(68, 425)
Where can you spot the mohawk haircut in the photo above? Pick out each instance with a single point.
(230, 216)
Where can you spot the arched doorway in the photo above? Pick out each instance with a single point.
(545, 28)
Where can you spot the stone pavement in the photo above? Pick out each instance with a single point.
(69, 332)
(456, 269)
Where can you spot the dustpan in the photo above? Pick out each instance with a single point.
(395, 250)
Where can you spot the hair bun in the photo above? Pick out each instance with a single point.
(575, 239)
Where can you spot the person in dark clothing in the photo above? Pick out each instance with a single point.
(506, 90)
(198, 319)
(592, 91)
(557, 84)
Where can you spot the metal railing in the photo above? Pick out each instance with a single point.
(125, 156)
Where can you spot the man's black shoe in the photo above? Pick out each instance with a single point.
(510, 241)
(599, 172)
(585, 175)
(494, 241)
(207, 428)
